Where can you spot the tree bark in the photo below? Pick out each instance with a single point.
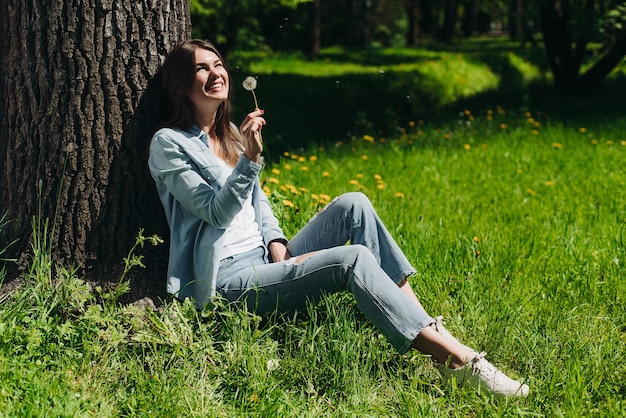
(413, 12)
(317, 28)
(557, 37)
(603, 67)
(73, 144)
(449, 20)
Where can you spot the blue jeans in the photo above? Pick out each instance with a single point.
(370, 268)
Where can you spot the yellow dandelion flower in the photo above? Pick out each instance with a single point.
(537, 124)
(380, 186)
(304, 168)
(286, 153)
(623, 143)
(549, 183)
(529, 115)
(313, 158)
(364, 157)
(359, 175)
(267, 190)
(273, 180)
(467, 112)
(530, 191)
(448, 135)
(283, 188)
(354, 182)
(609, 142)
(490, 112)
(471, 117)
(325, 197)
(288, 203)
(534, 132)
(303, 189)
(582, 130)
(399, 195)
(531, 120)
(476, 239)
(556, 145)
(287, 167)
(315, 196)
(467, 147)
(378, 177)
(503, 126)
(301, 159)
(594, 142)
(325, 174)
(275, 171)
(489, 117)
(411, 123)
(368, 138)
(294, 157)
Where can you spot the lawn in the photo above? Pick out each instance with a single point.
(510, 206)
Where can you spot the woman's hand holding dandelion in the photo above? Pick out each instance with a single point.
(252, 125)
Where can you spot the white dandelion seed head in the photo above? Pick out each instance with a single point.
(249, 83)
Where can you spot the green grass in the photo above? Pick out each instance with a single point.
(514, 216)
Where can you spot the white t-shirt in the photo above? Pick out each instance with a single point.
(243, 232)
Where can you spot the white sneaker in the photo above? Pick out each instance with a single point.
(438, 326)
(479, 373)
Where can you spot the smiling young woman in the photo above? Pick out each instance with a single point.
(227, 243)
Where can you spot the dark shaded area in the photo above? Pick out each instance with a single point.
(304, 111)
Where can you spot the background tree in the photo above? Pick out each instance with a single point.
(413, 15)
(73, 147)
(569, 26)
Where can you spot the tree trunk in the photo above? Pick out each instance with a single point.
(470, 14)
(516, 16)
(72, 144)
(603, 67)
(317, 28)
(557, 37)
(413, 13)
(565, 45)
(449, 20)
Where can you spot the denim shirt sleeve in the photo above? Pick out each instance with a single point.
(189, 175)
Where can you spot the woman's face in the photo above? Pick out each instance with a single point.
(210, 86)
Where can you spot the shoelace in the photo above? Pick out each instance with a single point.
(486, 368)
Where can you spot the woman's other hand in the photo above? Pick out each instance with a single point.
(278, 252)
(251, 129)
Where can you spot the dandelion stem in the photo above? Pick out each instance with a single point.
(255, 102)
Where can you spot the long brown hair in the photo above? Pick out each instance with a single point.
(177, 76)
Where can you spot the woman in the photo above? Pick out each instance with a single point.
(226, 241)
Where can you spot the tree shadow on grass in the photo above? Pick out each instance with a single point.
(304, 112)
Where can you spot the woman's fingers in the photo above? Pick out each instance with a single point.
(251, 129)
(253, 121)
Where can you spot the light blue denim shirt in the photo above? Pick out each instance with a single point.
(199, 207)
